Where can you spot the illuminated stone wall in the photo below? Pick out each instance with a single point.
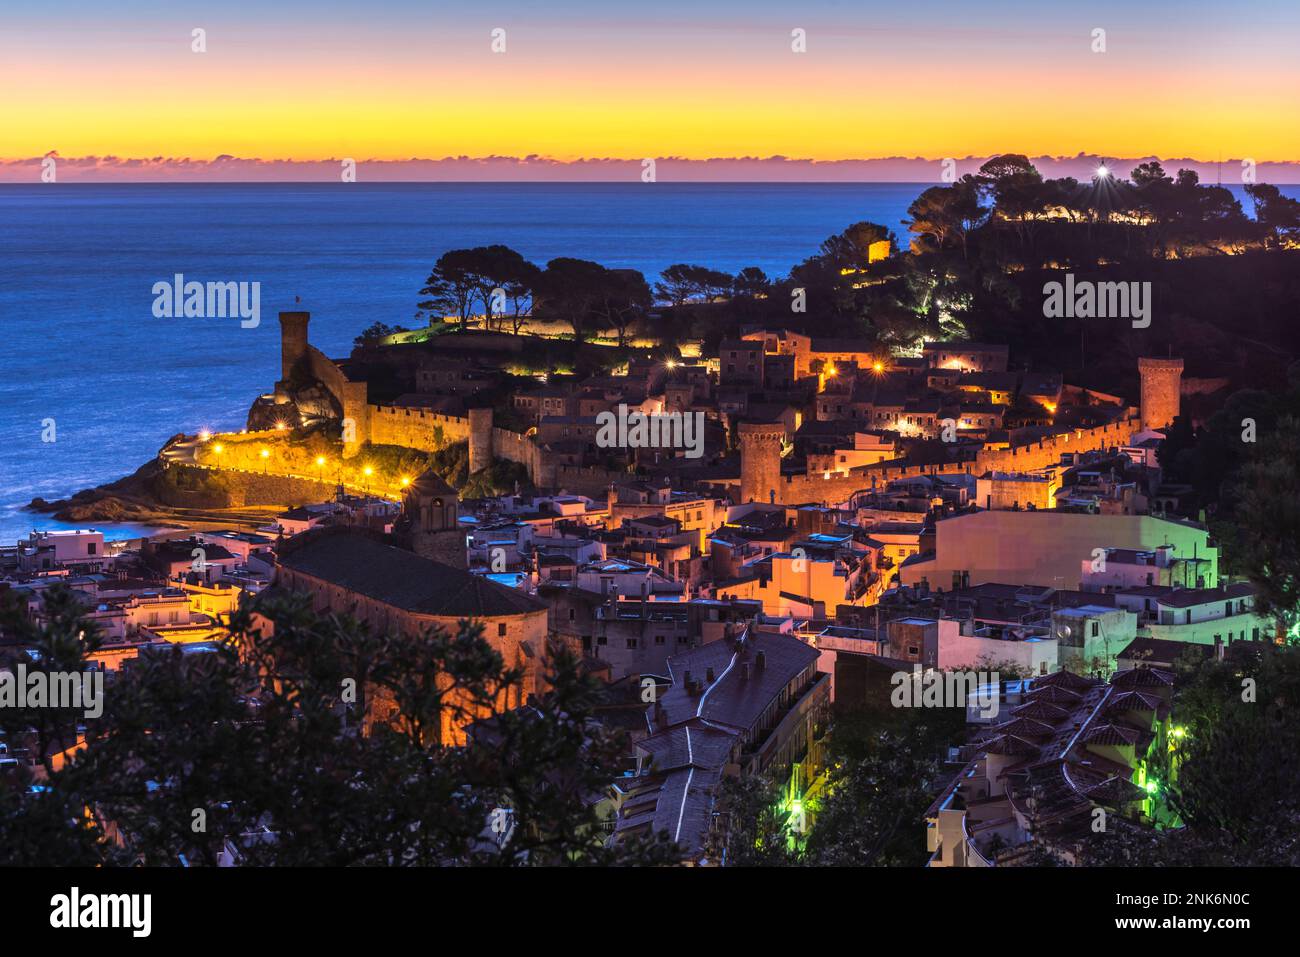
(420, 429)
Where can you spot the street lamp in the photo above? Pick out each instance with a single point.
(265, 455)
(320, 469)
(367, 472)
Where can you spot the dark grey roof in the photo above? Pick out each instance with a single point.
(1162, 649)
(359, 563)
(732, 699)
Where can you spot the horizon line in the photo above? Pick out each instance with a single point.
(776, 169)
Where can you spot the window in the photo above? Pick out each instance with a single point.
(659, 639)
(602, 640)
(501, 629)
(631, 644)
(90, 548)
(586, 642)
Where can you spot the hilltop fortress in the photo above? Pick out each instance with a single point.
(307, 376)
(788, 404)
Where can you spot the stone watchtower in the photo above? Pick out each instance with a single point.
(293, 341)
(1161, 385)
(480, 438)
(760, 460)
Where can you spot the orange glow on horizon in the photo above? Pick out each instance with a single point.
(714, 103)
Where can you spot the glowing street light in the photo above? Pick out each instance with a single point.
(204, 435)
(320, 469)
(266, 454)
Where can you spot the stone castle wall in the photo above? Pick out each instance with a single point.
(420, 429)
(240, 489)
(796, 489)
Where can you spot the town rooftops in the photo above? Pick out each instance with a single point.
(960, 346)
(1161, 652)
(738, 695)
(359, 562)
(1189, 597)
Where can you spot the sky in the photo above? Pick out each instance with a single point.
(289, 83)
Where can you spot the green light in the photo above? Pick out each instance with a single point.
(1178, 732)
(1152, 786)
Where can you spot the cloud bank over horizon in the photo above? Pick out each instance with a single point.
(542, 169)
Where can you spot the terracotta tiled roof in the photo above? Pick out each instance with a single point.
(1054, 695)
(1133, 701)
(1115, 791)
(1116, 734)
(1142, 678)
(1041, 711)
(1027, 728)
(1010, 744)
(1062, 679)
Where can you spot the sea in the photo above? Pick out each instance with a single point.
(92, 383)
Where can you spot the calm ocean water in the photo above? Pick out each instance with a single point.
(78, 263)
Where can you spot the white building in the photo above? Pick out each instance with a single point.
(1090, 637)
(79, 550)
(1196, 615)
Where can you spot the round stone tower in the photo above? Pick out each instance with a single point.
(760, 460)
(480, 438)
(293, 340)
(1161, 383)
